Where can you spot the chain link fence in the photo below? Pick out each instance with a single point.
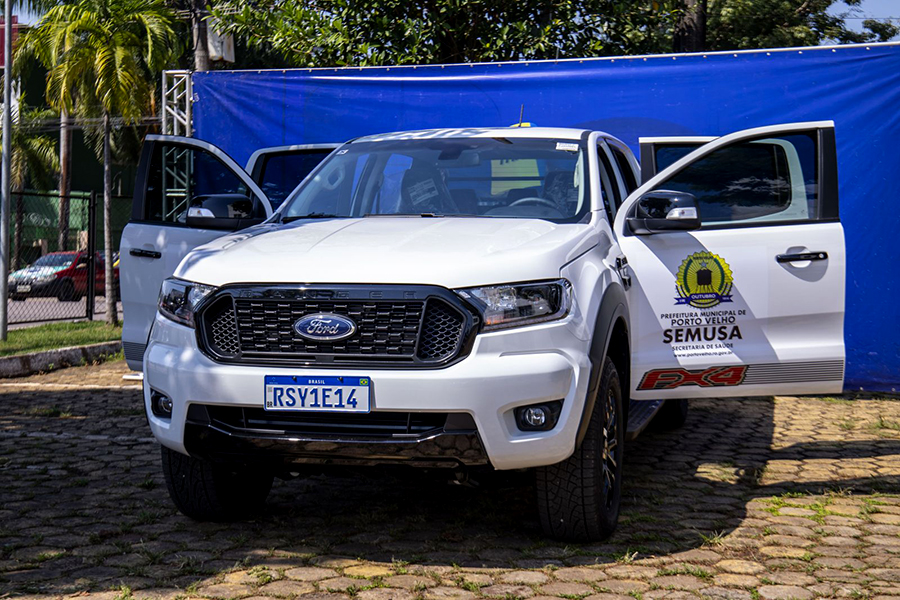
(57, 267)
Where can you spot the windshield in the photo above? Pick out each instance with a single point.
(485, 177)
(54, 260)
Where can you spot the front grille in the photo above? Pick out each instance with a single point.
(403, 332)
(374, 424)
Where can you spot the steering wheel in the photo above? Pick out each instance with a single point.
(535, 200)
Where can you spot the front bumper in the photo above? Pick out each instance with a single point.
(504, 370)
(44, 289)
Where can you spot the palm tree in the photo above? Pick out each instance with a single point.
(103, 55)
(34, 159)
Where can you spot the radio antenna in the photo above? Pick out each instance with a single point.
(521, 114)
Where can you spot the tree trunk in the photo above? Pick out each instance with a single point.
(690, 31)
(17, 235)
(65, 179)
(112, 316)
(201, 47)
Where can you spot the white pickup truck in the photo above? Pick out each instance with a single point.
(499, 298)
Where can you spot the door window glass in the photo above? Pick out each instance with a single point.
(765, 180)
(282, 172)
(624, 168)
(609, 185)
(181, 176)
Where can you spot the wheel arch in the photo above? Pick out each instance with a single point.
(610, 338)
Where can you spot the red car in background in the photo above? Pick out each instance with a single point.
(60, 274)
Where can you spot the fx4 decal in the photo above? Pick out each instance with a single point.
(664, 379)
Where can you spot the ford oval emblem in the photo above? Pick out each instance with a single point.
(325, 327)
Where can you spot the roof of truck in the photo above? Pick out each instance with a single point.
(480, 132)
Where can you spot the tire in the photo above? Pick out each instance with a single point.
(207, 492)
(671, 416)
(578, 499)
(66, 291)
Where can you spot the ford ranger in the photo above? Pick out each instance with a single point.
(496, 298)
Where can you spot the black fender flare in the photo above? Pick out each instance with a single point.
(613, 306)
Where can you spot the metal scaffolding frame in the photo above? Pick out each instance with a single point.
(178, 95)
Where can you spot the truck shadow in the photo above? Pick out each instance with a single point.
(85, 506)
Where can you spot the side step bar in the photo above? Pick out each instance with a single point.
(640, 413)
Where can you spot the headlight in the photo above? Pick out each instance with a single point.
(518, 304)
(45, 279)
(178, 299)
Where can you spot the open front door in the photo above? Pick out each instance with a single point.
(737, 261)
(176, 174)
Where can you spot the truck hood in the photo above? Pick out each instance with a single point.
(451, 252)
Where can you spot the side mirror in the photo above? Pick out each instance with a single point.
(661, 210)
(226, 212)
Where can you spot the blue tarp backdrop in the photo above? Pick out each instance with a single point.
(858, 87)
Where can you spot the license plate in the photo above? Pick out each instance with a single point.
(317, 394)
(23, 288)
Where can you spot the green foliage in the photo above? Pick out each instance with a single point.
(744, 24)
(102, 56)
(379, 32)
(319, 33)
(34, 158)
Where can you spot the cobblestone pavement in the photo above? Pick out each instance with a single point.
(753, 499)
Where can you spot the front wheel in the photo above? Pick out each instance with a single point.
(209, 492)
(66, 291)
(578, 499)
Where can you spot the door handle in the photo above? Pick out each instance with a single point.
(783, 258)
(145, 253)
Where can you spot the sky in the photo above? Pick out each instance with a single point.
(871, 9)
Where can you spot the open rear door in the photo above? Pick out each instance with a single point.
(736, 254)
(280, 169)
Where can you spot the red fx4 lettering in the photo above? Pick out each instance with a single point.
(666, 379)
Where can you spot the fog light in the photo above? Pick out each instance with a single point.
(161, 405)
(538, 417)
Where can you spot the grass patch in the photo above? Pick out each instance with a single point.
(883, 423)
(58, 335)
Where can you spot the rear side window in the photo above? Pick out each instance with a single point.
(765, 180)
(282, 172)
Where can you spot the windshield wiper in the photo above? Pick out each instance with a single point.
(424, 215)
(315, 215)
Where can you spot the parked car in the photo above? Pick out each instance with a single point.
(63, 275)
(475, 299)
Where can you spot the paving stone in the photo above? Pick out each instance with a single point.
(287, 587)
(445, 593)
(624, 586)
(385, 594)
(342, 584)
(631, 572)
(735, 580)
(720, 593)
(742, 567)
(309, 573)
(479, 579)
(506, 590)
(410, 582)
(226, 590)
(678, 582)
(367, 571)
(784, 592)
(579, 574)
(524, 577)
